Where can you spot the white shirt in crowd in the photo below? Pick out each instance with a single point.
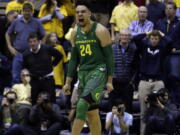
(128, 119)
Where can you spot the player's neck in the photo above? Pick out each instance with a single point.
(87, 27)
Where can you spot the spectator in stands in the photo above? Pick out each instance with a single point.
(5, 22)
(23, 92)
(69, 19)
(5, 73)
(23, 89)
(118, 121)
(70, 7)
(176, 37)
(119, 20)
(142, 25)
(161, 114)
(38, 60)
(6, 0)
(137, 2)
(10, 115)
(59, 75)
(177, 2)
(16, 5)
(51, 14)
(173, 67)
(100, 9)
(168, 24)
(153, 51)
(155, 10)
(125, 68)
(18, 33)
(45, 116)
(37, 5)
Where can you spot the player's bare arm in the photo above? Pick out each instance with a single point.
(104, 36)
(67, 86)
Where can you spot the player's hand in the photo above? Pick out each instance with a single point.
(66, 89)
(71, 115)
(109, 87)
(74, 97)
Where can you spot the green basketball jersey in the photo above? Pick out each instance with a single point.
(89, 49)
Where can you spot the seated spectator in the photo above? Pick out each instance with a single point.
(23, 97)
(23, 90)
(161, 114)
(142, 25)
(118, 121)
(168, 24)
(45, 116)
(15, 5)
(10, 117)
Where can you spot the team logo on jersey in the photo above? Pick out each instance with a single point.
(97, 95)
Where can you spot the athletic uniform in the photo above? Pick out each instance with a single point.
(92, 75)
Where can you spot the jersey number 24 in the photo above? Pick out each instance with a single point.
(85, 50)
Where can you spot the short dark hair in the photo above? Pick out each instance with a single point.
(11, 92)
(28, 5)
(155, 33)
(44, 93)
(173, 4)
(11, 12)
(118, 102)
(162, 91)
(84, 3)
(33, 35)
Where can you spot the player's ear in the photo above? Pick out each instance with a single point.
(89, 13)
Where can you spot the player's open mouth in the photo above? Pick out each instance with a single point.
(81, 20)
